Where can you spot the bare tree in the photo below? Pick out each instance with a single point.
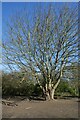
(45, 42)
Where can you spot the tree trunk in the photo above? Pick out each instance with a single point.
(47, 96)
(54, 88)
(48, 93)
(52, 94)
(56, 85)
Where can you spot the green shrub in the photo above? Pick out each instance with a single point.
(37, 90)
(14, 87)
(65, 89)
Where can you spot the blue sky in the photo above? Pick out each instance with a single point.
(10, 8)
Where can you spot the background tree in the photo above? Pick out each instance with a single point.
(43, 43)
(72, 75)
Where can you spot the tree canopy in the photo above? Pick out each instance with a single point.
(46, 44)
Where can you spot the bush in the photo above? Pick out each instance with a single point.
(26, 88)
(65, 89)
(37, 90)
(12, 86)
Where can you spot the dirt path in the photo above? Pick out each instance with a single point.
(42, 109)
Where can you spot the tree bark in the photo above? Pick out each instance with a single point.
(52, 94)
(54, 88)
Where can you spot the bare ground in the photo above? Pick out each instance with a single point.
(59, 108)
